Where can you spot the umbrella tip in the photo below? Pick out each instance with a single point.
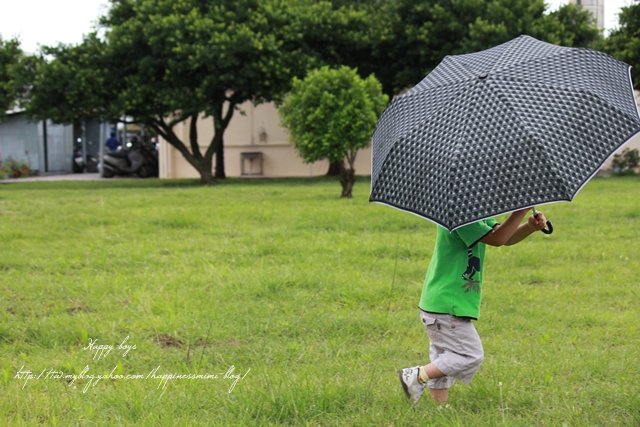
(483, 76)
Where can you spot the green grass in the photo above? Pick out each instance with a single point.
(316, 296)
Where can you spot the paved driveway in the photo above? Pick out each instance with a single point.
(62, 177)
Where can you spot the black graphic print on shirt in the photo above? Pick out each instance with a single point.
(473, 267)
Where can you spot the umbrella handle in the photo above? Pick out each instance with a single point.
(549, 228)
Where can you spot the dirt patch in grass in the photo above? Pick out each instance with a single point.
(78, 308)
(167, 340)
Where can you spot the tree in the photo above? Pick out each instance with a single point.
(74, 84)
(624, 41)
(408, 38)
(570, 25)
(10, 57)
(331, 114)
(166, 62)
(179, 61)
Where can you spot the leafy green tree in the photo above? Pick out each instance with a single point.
(570, 25)
(408, 38)
(167, 62)
(340, 33)
(624, 41)
(331, 114)
(179, 61)
(74, 84)
(10, 57)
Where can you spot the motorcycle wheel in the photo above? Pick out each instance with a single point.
(144, 171)
(107, 173)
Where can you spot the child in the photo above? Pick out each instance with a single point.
(451, 299)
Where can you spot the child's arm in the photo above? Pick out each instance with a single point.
(511, 231)
(501, 234)
(535, 223)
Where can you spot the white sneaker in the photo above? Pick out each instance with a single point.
(411, 384)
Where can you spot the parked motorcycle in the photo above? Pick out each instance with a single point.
(80, 164)
(136, 158)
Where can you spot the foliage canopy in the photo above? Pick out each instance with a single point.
(624, 42)
(408, 38)
(166, 62)
(10, 56)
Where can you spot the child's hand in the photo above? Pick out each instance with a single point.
(538, 222)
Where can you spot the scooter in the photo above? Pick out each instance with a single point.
(135, 159)
(80, 164)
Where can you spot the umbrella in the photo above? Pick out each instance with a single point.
(521, 124)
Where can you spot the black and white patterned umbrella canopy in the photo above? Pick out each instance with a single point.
(518, 125)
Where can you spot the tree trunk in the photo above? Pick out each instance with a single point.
(219, 153)
(205, 171)
(202, 164)
(207, 176)
(334, 168)
(347, 179)
(220, 123)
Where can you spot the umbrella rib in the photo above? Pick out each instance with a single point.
(506, 50)
(434, 87)
(442, 106)
(458, 143)
(426, 84)
(526, 61)
(455, 59)
(565, 51)
(502, 54)
(635, 117)
(496, 90)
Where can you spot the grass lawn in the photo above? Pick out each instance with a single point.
(300, 307)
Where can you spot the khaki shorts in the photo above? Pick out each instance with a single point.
(454, 347)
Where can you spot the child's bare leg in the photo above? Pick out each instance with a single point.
(439, 395)
(432, 371)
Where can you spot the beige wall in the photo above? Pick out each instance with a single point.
(256, 130)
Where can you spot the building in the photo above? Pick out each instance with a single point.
(596, 7)
(42, 145)
(255, 145)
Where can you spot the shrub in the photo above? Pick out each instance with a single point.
(626, 162)
(331, 114)
(13, 169)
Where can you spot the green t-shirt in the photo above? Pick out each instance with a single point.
(453, 284)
